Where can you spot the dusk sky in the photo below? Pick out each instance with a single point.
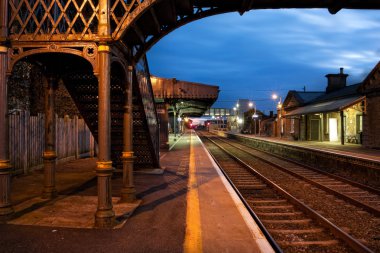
(266, 51)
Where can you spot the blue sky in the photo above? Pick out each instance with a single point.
(266, 51)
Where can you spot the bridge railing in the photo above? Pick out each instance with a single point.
(53, 19)
(146, 91)
(61, 20)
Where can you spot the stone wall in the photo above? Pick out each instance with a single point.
(371, 123)
(363, 171)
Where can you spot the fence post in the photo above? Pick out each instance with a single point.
(24, 124)
(76, 137)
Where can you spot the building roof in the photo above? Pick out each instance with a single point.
(187, 98)
(348, 91)
(299, 98)
(306, 97)
(372, 81)
(327, 106)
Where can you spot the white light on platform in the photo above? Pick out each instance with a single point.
(333, 129)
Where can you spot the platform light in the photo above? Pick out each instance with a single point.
(279, 104)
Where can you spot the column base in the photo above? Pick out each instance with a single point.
(6, 213)
(165, 146)
(105, 219)
(128, 195)
(49, 193)
(6, 209)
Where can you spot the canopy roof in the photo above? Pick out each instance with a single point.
(328, 106)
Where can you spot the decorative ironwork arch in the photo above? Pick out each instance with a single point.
(86, 51)
(130, 28)
(139, 51)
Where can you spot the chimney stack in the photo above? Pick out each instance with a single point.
(336, 81)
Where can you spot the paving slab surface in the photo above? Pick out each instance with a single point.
(158, 225)
(72, 212)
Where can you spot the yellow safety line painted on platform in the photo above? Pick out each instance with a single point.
(193, 236)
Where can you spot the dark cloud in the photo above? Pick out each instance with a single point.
(269, 51)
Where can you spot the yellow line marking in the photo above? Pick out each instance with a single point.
(193, 236)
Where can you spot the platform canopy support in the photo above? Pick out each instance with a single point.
(104, 216)
(50, 155)
(128, 192)
(5, 166)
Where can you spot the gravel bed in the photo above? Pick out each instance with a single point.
(287, 240)
(357, 222)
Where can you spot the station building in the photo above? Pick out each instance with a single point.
(342, 113)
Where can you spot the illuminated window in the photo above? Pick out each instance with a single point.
(291, 125)
(359, 123)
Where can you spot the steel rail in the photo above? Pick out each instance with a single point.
(351, 200)
(339, 233)
(263, 229)
(357, 184)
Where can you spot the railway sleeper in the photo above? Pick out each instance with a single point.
(286, 207)
(308, 243)
(361, 194)
(250, 187)
(281, 214)
(268, 201)
(297, 231)
(300, 221)
(248, 182)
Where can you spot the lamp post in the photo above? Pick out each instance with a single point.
(279, 112)
(180, 128)
(275, 97)
(235, 117)
(254, 116)
(238, 109)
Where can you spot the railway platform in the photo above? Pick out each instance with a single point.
(188, 208)
(348, 149)
(351, 160)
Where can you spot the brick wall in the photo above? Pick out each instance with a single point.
(371, 123)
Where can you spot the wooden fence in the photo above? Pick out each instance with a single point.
(26, 140)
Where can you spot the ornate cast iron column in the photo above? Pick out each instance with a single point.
(5, 167)
(50, 155)
(128, 192)
(104, 216)
(175, 122)
(164, 120)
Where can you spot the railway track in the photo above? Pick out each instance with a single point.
(294, 226)
(357, 194)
